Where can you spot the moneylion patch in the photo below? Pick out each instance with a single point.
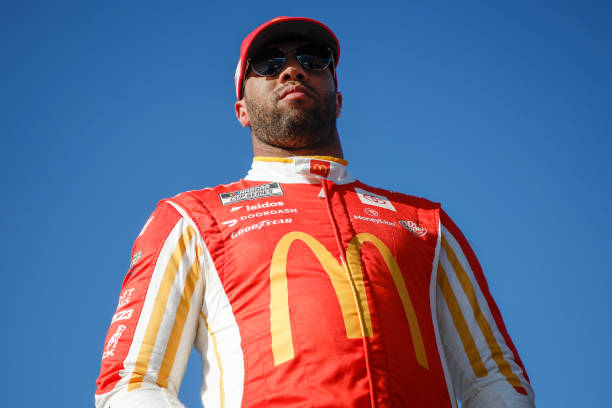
(251, 193)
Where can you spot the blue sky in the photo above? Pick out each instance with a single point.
(502, 111)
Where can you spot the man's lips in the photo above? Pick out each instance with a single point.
(296, 92)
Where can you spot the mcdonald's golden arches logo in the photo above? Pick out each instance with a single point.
(320, 167)
(347, 281)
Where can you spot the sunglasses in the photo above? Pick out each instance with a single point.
(269, 61)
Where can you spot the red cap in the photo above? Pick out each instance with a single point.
(288, 28)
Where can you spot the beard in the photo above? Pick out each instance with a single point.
(294, 128)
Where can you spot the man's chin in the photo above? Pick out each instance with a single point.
(293, 123)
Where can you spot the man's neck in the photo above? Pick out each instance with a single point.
(332, 148)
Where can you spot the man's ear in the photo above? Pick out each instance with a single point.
(338, 104)
(241, 113)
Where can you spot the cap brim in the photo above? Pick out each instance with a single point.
(294, 30)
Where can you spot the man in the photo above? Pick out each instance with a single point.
(299, 285)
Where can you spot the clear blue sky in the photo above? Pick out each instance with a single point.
(502, 111)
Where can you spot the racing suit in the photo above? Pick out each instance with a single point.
(302, 287)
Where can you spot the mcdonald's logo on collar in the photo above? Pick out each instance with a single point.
(320, 168)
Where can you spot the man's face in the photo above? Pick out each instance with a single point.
(295, 108)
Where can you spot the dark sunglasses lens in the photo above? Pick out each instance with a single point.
(314, 57)
(268, 61)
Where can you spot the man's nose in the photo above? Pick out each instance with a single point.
(292, 70)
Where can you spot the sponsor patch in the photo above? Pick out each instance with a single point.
(369, 198)
(122, 315)
(320, 168)
(260, 225)
(267, 204)
(125, 298)
(259, 214)
(251, 193)
(136, 258)
(414, 228)
(109, 351)
(371, 212)
(268, 213)
(374, 220)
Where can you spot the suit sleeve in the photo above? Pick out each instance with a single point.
(153, 329)
(484, 365)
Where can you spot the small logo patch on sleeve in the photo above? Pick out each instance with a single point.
(136, 258)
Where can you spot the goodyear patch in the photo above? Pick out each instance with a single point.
(251, 193)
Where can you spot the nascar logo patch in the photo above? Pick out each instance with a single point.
(251, 193)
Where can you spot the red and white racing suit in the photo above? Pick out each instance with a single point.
(302, 287)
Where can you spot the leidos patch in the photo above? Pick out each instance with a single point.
(374, 199)
(251, 193)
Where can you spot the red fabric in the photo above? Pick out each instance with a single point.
(327, 366)
(310, 242)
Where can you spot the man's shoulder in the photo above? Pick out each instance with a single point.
(220, 196)
(396, 196)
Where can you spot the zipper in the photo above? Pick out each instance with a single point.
(349, 275)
